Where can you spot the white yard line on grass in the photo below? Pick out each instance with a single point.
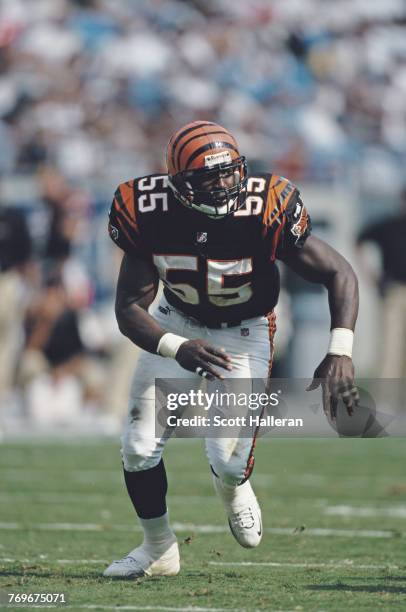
(347, 563)
(210, 529)
(312, 531)
(330, 565)
(64, 527)
(366, 511)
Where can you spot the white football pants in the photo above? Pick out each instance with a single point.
(251, 353)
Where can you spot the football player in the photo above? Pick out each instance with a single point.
(212, 234)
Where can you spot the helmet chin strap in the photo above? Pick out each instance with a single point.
(217, 212)
(212, 212)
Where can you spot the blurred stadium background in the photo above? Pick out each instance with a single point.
(90, 92)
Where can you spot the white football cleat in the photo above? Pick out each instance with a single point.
(244, 513)
(142, 561)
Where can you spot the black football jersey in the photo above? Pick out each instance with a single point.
(215, 270)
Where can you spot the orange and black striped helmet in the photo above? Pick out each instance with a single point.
(206, 171)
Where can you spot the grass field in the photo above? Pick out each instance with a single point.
(334, 515)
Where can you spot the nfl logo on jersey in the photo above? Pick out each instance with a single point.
(201, 237)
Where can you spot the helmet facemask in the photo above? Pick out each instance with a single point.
(194, 190)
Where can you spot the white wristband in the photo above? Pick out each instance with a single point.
(341, 340)
(169, 345)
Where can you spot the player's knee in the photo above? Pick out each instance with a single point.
(230, 473)
(139, 455)
(134, 462)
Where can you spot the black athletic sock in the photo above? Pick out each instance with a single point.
(147, 490)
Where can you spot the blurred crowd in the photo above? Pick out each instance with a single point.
(91, 90)
(96, 86)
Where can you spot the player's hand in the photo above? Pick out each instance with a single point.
(200, 356)
(336, 376)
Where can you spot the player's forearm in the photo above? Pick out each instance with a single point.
(136, 323)
(343, 296)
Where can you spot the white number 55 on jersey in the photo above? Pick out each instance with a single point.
(217, 272)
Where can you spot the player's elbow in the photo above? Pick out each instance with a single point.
(121, 319)
(346, 271)
(345, 278)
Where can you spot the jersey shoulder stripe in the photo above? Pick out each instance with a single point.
(280, 191)
(124, 203)
(123, 223)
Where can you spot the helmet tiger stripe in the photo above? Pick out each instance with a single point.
(188, 145)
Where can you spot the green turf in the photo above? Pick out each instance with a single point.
(296, 481)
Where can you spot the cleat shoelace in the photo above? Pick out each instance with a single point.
(243, 519)
(125, 560)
